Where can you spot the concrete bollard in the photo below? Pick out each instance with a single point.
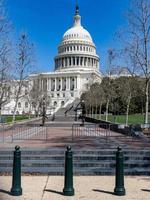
(68, 182)
(119, 185)
(16, 189)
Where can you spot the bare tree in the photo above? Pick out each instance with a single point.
(37, 93)
(5, 56)
(137, 41)
(24, 66)
(111, 57)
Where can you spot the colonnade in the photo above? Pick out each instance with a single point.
(76, 61)
(59, 83)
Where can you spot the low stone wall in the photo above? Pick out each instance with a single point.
(119, 128)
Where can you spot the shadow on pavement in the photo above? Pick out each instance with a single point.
(103, 191)
(5, 192)
(145, 190)
(54, 191)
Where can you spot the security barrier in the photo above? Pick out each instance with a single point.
(68, 190)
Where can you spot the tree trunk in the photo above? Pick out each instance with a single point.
(146, 101)
(100, 111)
(29, 115)
(95, 111)
(14, 113)
(127, 111)
(92, 111)
(107, 106)
(0, 111)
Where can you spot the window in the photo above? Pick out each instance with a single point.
(58, 95)
(19, 105)
(33, 105)
(17, 112)
(55, 103)
(26, 91)
(26, 104)
(62, 103)
(63, 94)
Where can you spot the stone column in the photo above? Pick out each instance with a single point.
(71, 61)
(67, 62)
(86, 61)
(42, 84)
(78, 82)
(79, 61)
(55, 84)
(83, 61)
(69, 83)
(49, 84)
(60, 84)
(64, 62)
(75, 82)
(75, 61)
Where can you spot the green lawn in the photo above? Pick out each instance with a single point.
(133, 119)
(8, 119)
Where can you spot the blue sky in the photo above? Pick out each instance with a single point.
(45, 21)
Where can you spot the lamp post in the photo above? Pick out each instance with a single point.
(43, 112)
(83, 111)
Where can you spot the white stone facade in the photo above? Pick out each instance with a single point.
(76, 67)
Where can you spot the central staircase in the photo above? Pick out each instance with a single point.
(67, 114)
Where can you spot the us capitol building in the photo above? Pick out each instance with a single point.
(76, 68)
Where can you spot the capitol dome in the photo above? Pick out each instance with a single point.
(77, 33)
(76, 49)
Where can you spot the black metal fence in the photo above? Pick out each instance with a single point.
(22, 132)
(90, 130)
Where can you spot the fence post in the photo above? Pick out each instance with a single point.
(119, 185)
(72, 131)
(68, 182)
(16, 189)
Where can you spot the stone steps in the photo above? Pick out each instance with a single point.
(86, 162)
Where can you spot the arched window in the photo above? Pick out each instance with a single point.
(33, 105)
(19, 105)
(55, 103)
(26, 104)
(62, 103)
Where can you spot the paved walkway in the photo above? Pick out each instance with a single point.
(86, 188)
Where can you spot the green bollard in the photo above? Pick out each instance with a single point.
(68, 182)
(16, 189)
(119, 187)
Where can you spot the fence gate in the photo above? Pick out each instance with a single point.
(90, 130)
(21, 132)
